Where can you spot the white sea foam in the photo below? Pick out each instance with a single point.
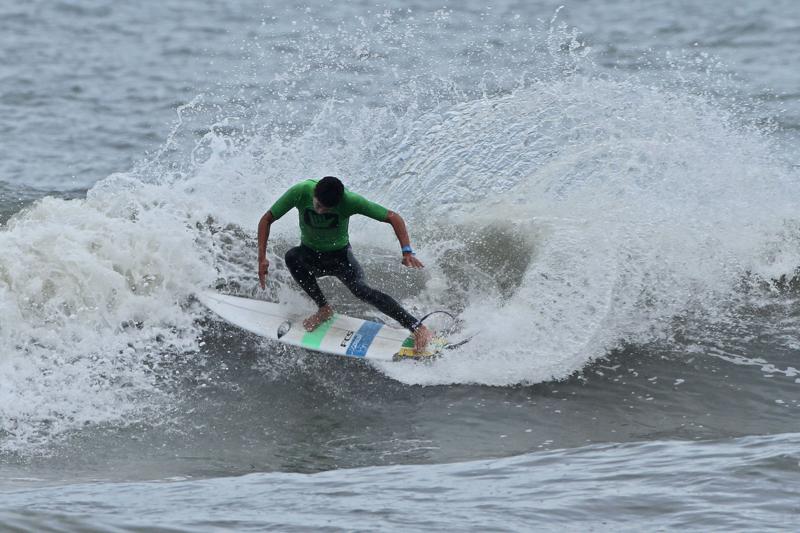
(563, 213)
(645, 204)
(93, 295)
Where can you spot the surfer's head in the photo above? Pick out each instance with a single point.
(327, 194)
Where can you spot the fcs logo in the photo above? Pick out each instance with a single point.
(347, 337)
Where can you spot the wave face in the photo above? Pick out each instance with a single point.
(561, 209)
(604, 481)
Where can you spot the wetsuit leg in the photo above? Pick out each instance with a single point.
(351, 274)
(301, 262)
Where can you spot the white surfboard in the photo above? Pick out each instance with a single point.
(340, 335)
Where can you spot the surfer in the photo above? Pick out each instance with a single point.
(325, 207)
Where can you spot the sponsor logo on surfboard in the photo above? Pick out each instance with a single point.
(347, 337)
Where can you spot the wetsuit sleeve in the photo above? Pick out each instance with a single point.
(286, 202)
(362, 206)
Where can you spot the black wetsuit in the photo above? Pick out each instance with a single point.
(306, 265)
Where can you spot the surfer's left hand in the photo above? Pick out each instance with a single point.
(411, 261)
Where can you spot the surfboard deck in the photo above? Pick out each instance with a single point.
(340, 335)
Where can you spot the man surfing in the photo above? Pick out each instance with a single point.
(324, 209)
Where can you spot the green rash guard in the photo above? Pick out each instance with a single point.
(328, 231)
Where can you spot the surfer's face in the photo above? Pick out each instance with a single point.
(319, 208)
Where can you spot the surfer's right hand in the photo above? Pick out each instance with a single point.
(263, 267)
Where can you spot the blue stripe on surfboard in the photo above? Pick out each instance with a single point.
(363, 338)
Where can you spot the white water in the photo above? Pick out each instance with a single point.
(623, 204)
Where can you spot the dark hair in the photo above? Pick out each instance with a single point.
(329, 191)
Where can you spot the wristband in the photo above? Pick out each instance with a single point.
(407, 249)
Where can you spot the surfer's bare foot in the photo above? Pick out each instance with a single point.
(422, 336)
(323, 314)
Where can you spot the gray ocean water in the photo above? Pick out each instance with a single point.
(605, 192)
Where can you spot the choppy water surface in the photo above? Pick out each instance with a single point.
(604, 192)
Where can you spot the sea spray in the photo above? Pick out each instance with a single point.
(93, 298)
(559, 209)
